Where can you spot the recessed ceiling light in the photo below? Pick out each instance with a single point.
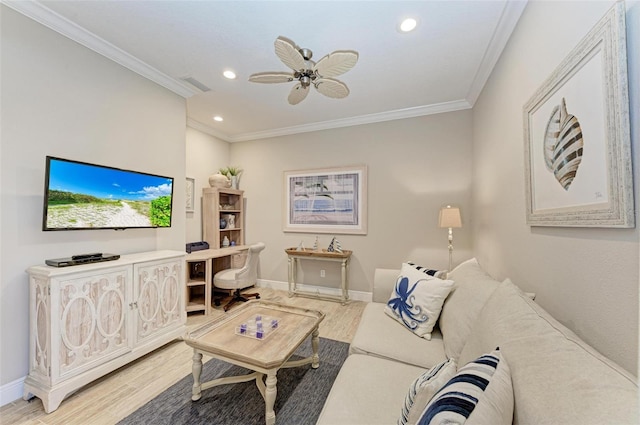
(408, 24)
(229, 74)
(218, 118)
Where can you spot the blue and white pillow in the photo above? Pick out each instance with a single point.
(440, 274)
(480, 393)
(425, 386)
(416, 300)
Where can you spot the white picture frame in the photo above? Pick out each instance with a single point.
(578, 170)
(190, 194)
(326, 200)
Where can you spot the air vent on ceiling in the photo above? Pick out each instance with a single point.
(195, 83)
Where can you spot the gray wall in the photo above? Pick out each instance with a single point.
(415, 166)
(59, 98)
(205, 156)
(586, 278)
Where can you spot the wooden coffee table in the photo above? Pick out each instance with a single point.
(265, 357)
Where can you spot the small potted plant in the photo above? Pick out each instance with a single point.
(233, 173)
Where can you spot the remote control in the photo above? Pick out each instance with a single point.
(85, 256)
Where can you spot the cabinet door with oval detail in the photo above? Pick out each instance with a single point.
(92, 320)
(159, 297)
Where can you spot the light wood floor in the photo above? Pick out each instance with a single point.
(115, 396)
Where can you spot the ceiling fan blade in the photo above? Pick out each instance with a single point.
(331, 88)
(298, 93)
(271, 77)
(288, 53)
(336, 63)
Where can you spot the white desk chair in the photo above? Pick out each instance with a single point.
(237, 279)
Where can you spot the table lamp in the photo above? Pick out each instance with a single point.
(450, 218)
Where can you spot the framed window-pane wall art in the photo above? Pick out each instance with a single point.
(329, 200)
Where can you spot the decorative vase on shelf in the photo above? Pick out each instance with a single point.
(223, 223)
(225, 242)
(219, 181)
(234, 182)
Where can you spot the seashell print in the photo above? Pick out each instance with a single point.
(563, 145)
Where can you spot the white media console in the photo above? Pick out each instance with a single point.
(88, 320)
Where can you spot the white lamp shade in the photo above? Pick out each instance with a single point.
(450, 217)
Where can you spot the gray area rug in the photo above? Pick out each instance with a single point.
(301, 394)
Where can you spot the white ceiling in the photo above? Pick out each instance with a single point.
(440, 66)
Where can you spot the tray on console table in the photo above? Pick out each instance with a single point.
(343, 257)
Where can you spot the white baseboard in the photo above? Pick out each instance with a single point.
(322, 290)
(11, 391)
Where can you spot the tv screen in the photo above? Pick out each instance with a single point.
(80, 196)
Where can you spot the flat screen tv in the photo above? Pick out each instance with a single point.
(81, 196)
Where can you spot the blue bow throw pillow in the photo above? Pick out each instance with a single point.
(417, 299)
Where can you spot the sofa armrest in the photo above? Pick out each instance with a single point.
(383, 283)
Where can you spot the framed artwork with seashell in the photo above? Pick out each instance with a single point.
(577, 135)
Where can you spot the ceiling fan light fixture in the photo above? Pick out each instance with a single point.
(305, 80)
(229, 74)
(308, 72)
(408, 25)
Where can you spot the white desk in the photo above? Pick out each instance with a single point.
(211, 261)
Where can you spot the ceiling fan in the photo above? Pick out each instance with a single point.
(308, 72)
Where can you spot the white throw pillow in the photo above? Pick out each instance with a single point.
(425, 386)
(480, 393)
(416, 300)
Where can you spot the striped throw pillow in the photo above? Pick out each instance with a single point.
(480, 393)
(440, 274)
(425, 386)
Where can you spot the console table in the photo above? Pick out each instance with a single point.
(343, 257)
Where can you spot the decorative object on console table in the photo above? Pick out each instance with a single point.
(335, 246)
(450, 218)
(330, 200)
(564, 184)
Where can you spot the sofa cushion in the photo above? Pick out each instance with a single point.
(368, 390)
(557, 377)
(425, 386)
(480, 393)
(473, 287)
(417, 299)
(378, 335)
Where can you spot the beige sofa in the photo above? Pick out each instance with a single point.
(557, 378)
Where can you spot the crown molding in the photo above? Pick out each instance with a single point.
(197, 125)
(510, 15)
(45, 16)
(398, 114)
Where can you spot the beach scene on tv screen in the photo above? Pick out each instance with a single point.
(88, 196)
